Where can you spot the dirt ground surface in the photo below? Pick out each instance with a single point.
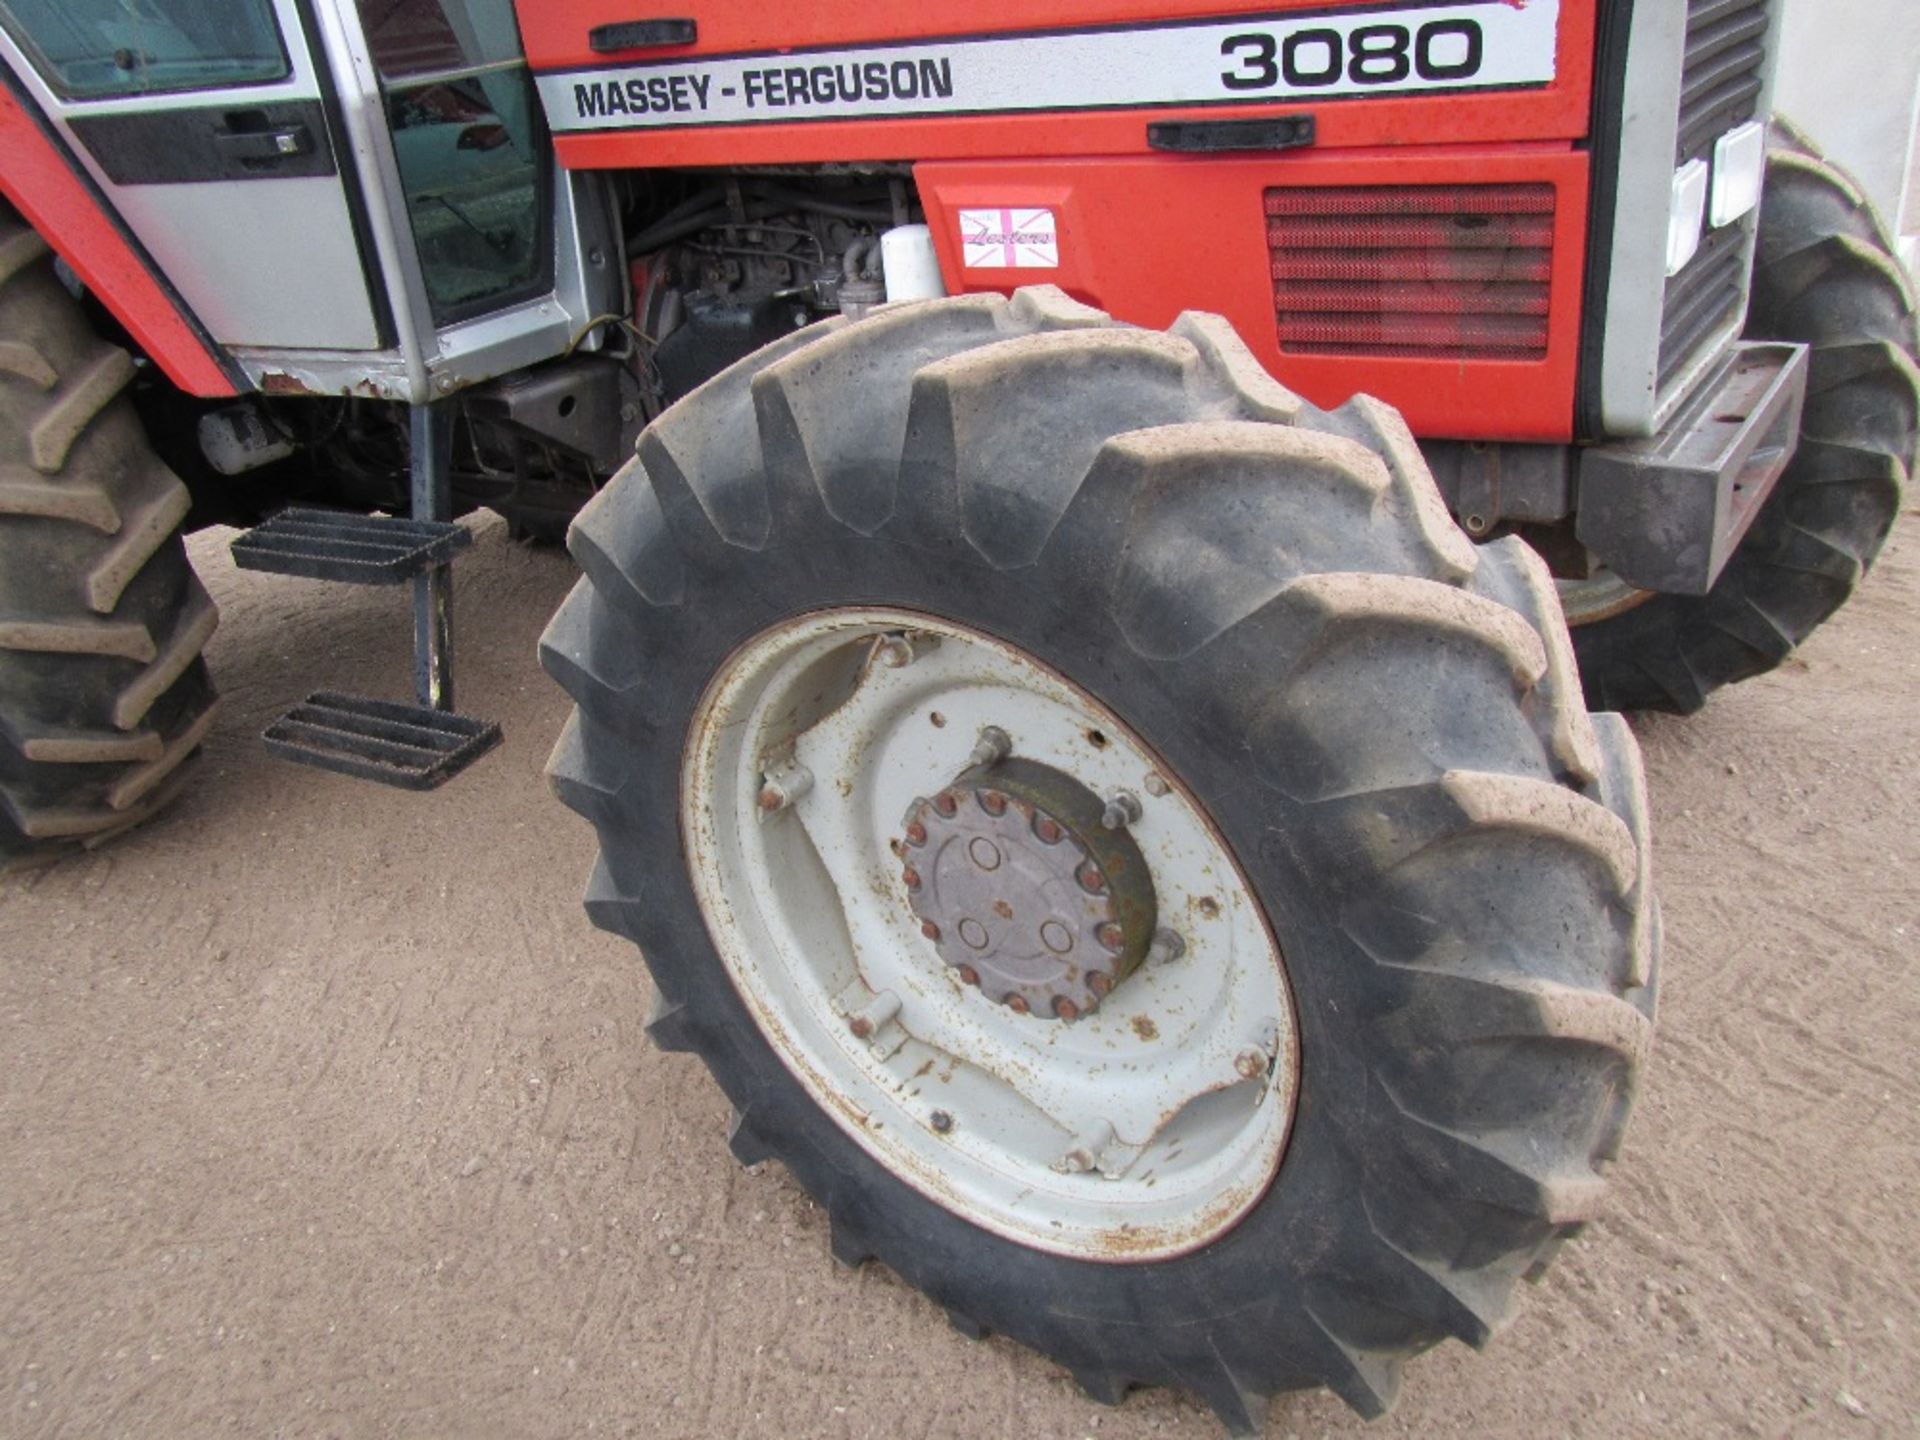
(323, 1111)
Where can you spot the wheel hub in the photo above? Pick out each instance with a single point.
(1023, 890)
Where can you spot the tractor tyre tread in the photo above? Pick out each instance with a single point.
(104, 696)
(1403, 699)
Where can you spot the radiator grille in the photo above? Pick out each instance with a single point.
(1444, 271)
(1722, 80)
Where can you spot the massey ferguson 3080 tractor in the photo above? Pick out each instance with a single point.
(1116, 813)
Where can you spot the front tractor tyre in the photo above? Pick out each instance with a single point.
(1150, 879)
(1826, 277)
(104, 698)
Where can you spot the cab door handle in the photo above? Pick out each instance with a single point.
(641, 35)
(281, 142)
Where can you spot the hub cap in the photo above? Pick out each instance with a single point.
(1026, 976)
(1024, 893)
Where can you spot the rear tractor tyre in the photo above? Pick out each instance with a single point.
(1824, 276)
(104, 698)
(1148, 877)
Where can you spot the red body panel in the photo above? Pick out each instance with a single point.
(37, 179)
(1144, 234)
(1149, 236)
(556, 39)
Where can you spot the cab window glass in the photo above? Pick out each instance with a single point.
(98, 49)
(415, 37)
(471, 146)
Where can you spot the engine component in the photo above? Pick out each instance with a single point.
(238, 438)
(909, 265)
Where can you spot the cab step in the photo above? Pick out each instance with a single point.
(355, 549)
(411, 747)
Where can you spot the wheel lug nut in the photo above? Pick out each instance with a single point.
(1065, 1009)
(1090, 878)
(894, 651)
(783, 786)
(1084, 1152)
(872, 1015)
(1123, 808)
(1112, 936)
(992, 801)
(946, 803)
(1048, 829)
(1018, 1004)
(929, 929)
(993, 746)
(916, 833)
(1252, 1062)
(969, 975)
(912, 877)
(1100, 983)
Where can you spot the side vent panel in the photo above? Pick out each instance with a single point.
(1451, 272)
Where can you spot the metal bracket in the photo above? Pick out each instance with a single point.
(431, 429)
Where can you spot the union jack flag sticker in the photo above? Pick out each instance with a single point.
(1009, 240)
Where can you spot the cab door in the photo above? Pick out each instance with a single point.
(206, 123)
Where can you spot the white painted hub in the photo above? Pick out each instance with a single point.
(1142, 1131)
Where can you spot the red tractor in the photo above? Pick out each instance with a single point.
(1118, 817)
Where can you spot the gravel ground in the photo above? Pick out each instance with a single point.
(323, 1111)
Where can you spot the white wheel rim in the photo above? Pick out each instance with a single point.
(976, 1107)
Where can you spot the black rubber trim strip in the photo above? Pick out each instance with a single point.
(640, 35)
(197, 144)
(239, 378)
(1214, 137)
(1611, 43)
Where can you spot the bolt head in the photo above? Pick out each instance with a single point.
(946, 803)
(992, 801)
(1156, 785)
(771, 799)
(1112, 936)
(929, 929)
(1090, 878)
(1047, 829)
(861, 1027)
(941, 1121)
(1018, 1004)
(1065, 1009)
(1100, 983)
(969, 975)
(912, 877)
(1251, 1063)
(916, 833)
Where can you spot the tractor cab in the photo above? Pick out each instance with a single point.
(353, 198)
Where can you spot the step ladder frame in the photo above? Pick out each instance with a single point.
(430, 428)
(370, 739)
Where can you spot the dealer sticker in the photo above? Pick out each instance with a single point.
(1356, 53)
(1009, 240)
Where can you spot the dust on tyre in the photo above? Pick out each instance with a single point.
(1824, 276)
(104, 699)
(1380, 726)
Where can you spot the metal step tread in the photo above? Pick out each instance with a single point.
(340, 545)
(412, 747)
